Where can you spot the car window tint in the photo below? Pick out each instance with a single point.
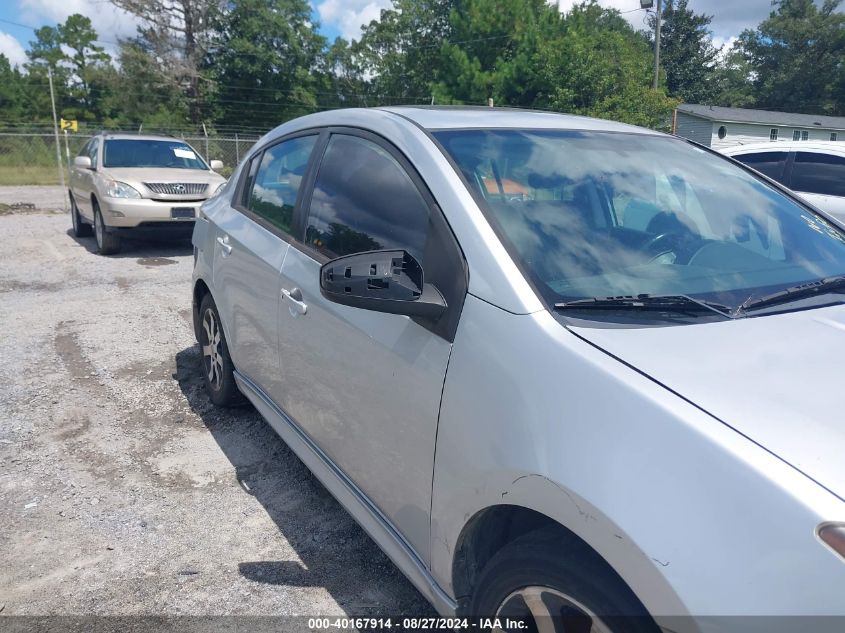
(767, 163)
(364, 200)
(277, 181)
(92, 152)
(819, 173)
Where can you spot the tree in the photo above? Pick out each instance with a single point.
(70, 52)
(687, 54)
(732, 81)
(401, 50)
(493, 52)
(797, 57)
(599, 66)
(177, 34)
(147, 93)
(265, 60)
(12, 104)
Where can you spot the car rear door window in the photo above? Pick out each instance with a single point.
(813, 172)
(274, 187)
(364, 200)
(770, 164)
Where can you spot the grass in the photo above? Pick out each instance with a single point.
(29, 175)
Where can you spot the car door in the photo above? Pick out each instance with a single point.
(77, 175)
(83, 180)
(820, 178)
(251, 241)
(365, 386)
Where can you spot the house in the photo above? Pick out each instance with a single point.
(719, 127)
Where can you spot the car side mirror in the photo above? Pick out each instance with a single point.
(82, 162)
(383, 281)
(216, 165)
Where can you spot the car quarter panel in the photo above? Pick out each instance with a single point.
(713, 524)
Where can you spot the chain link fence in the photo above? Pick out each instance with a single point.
(29, 157)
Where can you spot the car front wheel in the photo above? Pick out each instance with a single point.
(107, 243)
(550, 584)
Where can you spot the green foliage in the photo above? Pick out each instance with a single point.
(70, 51)
(687, 54)
(797, 57)
(257, 63)
(401, 51)
(264, 61)
(600, 67)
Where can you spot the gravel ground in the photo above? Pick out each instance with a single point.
(123, 491)
(40, 197)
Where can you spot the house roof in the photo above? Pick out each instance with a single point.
(764, 117)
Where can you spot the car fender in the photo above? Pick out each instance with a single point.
(668, 495)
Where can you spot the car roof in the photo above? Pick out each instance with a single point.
(835, 147)
(462, 117)
(449, 118)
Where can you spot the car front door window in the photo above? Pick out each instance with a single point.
(364, 200)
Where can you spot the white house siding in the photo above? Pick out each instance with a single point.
(747, 133)
(694, 128)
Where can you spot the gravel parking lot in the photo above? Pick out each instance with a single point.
(122, 490)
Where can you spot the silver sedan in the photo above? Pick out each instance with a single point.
(562, 370)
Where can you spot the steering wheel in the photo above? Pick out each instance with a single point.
(683, 245)
(661, 244)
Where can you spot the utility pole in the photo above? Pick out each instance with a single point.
(658, 15)
(56, 131)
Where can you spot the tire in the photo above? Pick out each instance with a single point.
(80, 228)
(569, 581)
(107, 243)
(217, 368)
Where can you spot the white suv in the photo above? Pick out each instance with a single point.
(814, 170)
(138, 183)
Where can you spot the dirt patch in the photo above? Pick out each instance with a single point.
(155, 261)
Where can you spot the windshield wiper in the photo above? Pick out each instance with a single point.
(677, 303)
(801, 291)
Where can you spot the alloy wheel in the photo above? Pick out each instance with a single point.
(212, 358)
(547, 610)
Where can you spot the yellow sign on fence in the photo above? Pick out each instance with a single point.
(69, 125)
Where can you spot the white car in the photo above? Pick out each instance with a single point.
(814, 170)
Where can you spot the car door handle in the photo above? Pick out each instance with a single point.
(294, 296)
(224, 244)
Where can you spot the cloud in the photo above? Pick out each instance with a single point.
(110, 22)
(347, 16)
(730, 17)
(12, 49)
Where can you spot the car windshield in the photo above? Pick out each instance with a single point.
(601, 214)
(150, 153)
